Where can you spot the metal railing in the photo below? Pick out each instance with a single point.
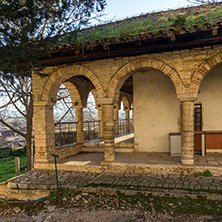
(91, 129)
(122, 126)
(65, 133)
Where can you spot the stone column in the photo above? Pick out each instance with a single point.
(109, 149)
(116, 118)
(44, 131)
(79, 129)
(187, 132)
(127, 117)
(100, 118)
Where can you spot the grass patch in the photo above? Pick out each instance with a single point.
(206, 173)
(7, 164)
(151, 23)
(91, 202)
(166, 203)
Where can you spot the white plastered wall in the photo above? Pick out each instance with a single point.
(156, 111)
(210, 96)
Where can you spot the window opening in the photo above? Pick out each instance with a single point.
(197, 117)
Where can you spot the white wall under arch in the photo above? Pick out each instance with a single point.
(156, 111)
(210, 96)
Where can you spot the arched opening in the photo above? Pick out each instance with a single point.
(131, 118)
(91, 125)
(79, 87)
(64, 118)
(156, 111)
(90, 113)
(208, 116)
(124, 113)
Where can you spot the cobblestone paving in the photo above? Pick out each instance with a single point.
(45, 179)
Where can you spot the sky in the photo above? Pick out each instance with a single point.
(120, 9)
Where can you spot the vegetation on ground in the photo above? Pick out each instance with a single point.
(119, 201)
(7, 163)
(206, 173)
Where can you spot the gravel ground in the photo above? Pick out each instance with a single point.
(75, 214)
(67, 205)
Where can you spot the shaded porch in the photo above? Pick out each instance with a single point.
(148, 163)
(95, 159)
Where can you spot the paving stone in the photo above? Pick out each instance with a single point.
(45, 179)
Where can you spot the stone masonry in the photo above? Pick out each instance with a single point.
(185, 68)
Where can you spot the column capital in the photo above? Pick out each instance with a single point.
(105, 101)
(187, 97)
(44, 103)
(78, 107)
(126, 109)
(116, 106)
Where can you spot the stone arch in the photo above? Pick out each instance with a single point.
(203, 70)
(141, 64)
(61, 74)
(125, 99)
(126, 103)
(74, 93)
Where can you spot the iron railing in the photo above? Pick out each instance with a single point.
(91, 129)
(65, 133)
(122, 126)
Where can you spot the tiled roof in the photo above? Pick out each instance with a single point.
(147, 26)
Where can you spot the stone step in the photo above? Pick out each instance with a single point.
(22, 194)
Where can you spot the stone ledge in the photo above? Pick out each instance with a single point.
(159, 192)
(115, 167)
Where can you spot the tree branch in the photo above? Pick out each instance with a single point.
(13, 129)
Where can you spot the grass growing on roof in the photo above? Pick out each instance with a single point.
(150, 23)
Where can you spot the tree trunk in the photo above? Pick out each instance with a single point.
(29, 127)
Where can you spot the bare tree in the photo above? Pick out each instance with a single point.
(16, 103)
(63, 108)
(90, 113)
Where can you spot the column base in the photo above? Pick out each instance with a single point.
(109, 155)
(187, 162)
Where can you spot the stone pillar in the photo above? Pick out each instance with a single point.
(79, 129)
(127, 117)
(187, 132)
(44, 131)
(116, 118)
(109, 149)
(100, 118)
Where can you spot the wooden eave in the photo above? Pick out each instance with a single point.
(133, 48)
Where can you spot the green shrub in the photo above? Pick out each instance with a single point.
(206, 173)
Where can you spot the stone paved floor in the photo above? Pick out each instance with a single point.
(211, 159)
(40, 178)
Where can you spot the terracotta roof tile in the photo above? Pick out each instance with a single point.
(165, 24)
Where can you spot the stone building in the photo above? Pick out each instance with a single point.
(167, 65)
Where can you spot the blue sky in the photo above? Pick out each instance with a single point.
(119, 9)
